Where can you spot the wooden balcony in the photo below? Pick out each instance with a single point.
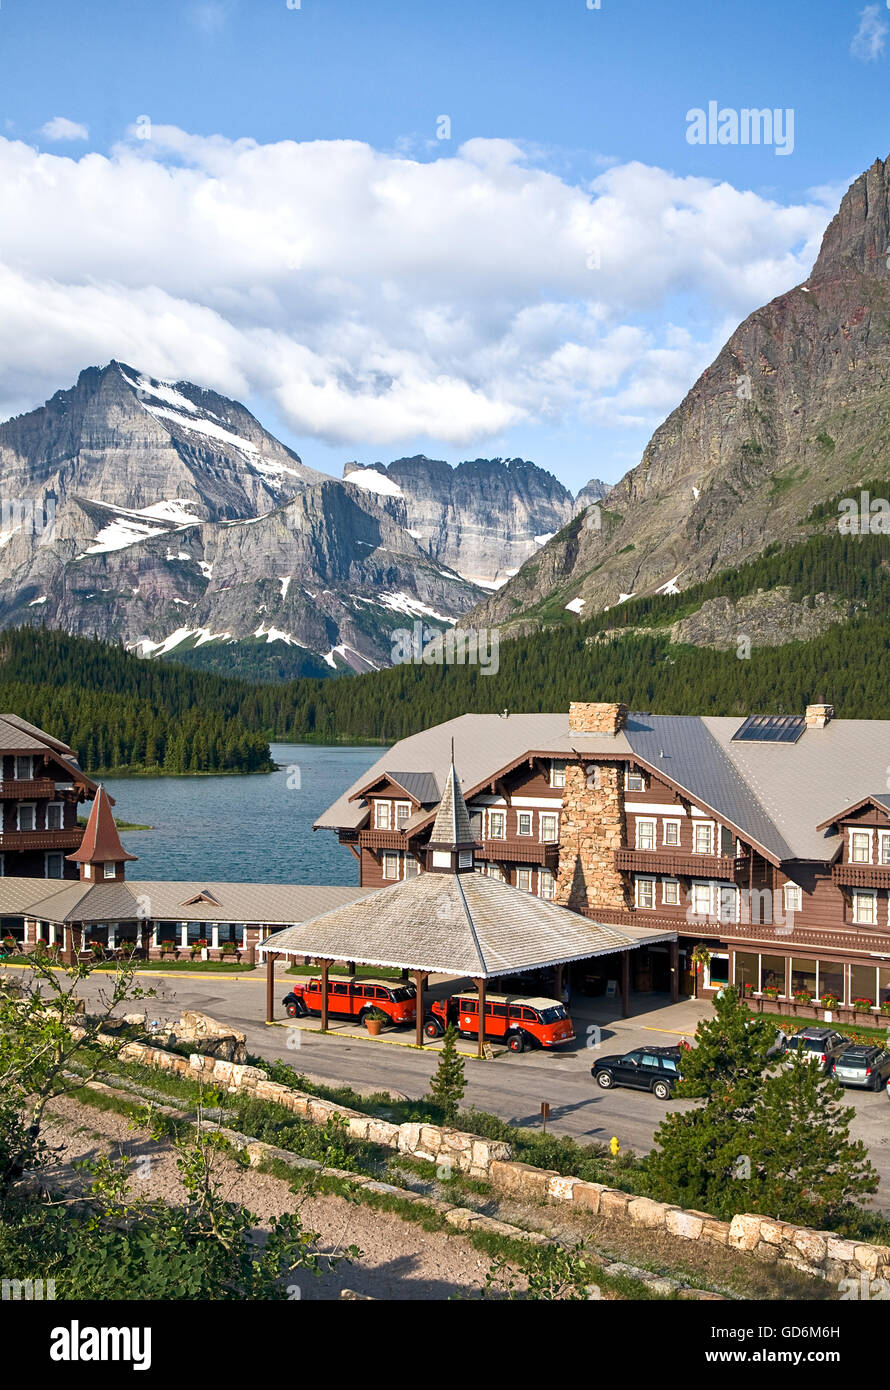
(521, 850)
(42, 839)
(861, 875)
(38, 789)
(382, 839)
(676, 865)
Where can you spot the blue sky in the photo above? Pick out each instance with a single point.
(475, 336)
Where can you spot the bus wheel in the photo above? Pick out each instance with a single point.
(516, 1042)
(432, 1030)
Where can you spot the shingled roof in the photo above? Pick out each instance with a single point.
(456, 924)
(101, 844)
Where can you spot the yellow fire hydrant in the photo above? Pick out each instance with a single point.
(614, 1146)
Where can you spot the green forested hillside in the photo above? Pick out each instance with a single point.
(121, 712)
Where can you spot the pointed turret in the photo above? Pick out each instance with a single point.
(452, 842)
(101, 855)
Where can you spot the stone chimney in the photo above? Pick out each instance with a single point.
(819, 715)
(587, 718)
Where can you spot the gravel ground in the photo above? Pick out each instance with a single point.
(399, 1259)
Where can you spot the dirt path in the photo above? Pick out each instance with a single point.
(399, 1259)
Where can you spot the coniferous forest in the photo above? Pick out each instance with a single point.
(122, 713)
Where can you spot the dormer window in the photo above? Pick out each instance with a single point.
(860, 846)
(403, 811)
(634, 782)
(24, 768)
(557, 773)
(884, 847)
(110, 869)
(381, 815)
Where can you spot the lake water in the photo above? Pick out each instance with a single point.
(243, 829)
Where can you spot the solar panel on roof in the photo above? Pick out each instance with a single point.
(770, 728)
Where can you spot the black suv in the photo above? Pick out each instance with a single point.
(655, 1069)
(820, 1045)
(859, 1065)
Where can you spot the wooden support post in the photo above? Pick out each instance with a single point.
(419, 980)
(325, 967)
(560, 974)
(350, 967)
(68, 947)
(675, 971)
(480, 1050)
(270, 986)
(625, 984)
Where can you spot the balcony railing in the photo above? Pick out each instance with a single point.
(37, 789)
(382, 839)
(41, 839)
(521, 851)
(861, 875)
(676, 865)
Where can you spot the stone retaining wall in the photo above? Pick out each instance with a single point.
(818, 1253)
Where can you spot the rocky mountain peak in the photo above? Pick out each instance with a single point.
(858, 236)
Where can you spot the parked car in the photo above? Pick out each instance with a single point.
(354, 999)
(821, 1045)
(655, 1069)
(519, 1020)
(865, 1066)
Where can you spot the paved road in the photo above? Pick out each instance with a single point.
(510, 1086)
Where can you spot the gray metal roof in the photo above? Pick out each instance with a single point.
(684, 749)
(800, 785)
(421, 785)
(457, 924)
(163, 901)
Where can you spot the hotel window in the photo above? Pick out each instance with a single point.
(403, 811)
(670, 892)
(54, 866)
(701, 899)
(476, 824)
(546, 884)
(634, 782)
(703, 838)
(793, 897)
(524, 880)
(391, 865)
(27, 815)
(728, 899)
(412, 867)
(497, 825)
(2, 865)
(672, 833)
(24, 769)
(525, 822)
(645, 892)
(55, 815)
(645, 834)
(495, 871)
(549, 827)
(884, 847)
(557, 774)
(381, 815)
(865, 908)
(860, 847)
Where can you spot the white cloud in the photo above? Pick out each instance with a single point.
(871, 36)
(374, 299)
(60, 128)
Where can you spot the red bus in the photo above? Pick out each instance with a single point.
(353, 998)
(512, 1017)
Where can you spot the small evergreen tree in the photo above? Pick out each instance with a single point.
(448, 1084)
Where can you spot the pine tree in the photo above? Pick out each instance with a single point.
(448, 1084)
